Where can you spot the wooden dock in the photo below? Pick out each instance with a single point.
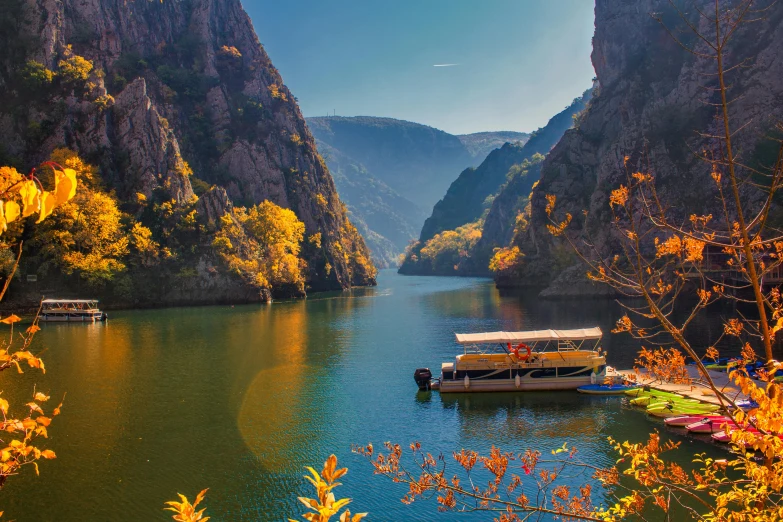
(697, 390)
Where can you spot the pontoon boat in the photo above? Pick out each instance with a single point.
(73, 310)
(520, 361)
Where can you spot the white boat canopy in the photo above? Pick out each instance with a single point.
(534, 336)
(69, 301)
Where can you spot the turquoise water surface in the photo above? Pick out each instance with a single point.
(239, 399)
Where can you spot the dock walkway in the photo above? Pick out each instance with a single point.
(698, 390)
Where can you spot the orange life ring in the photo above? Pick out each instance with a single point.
(515, 351)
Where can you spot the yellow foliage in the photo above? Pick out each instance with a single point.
(145, 247)
(75, 69)
(325, 505)
(505, 259)
(185, 511)
(230, 51)
(85, 234)
(262, 245)
(445, 251)
(276, 93)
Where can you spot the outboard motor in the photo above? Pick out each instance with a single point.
(423, 378)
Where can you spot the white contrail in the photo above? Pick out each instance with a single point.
(445, 65)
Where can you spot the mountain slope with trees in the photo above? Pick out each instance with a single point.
(191, 131)
(508, 173)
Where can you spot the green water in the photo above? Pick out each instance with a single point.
(239, 399)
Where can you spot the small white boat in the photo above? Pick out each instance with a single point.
(521, 361)
(71, 310)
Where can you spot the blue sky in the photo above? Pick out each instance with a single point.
(519, 61)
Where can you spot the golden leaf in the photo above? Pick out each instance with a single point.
(48, 454)
(31, 203)
(41, 397)
(64, 185)
(4, 406)
(11, 319)
(47, 205)
(12, 211)
(33, 328)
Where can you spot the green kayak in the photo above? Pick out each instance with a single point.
(674, 410)
(657, 399)
(641, 392)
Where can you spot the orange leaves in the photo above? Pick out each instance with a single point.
(623, 324)
(554, 227)
(619, 196)
(733, 327)
(557, 229)
(185, 511)
(11, 319)
(687, 248)
(663, 365)
(551, 199)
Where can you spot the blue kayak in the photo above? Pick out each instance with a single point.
(605, 389)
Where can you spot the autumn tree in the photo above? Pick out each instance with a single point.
(85, 236)
(262, 245)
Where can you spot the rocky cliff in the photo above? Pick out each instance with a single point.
(654, 100)
(178, 93)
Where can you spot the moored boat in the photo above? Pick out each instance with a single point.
(521, 361)
(605, 389)
(71, 310)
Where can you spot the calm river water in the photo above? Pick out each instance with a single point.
(239, 399)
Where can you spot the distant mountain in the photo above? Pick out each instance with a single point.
(480, 144)
(415, 160)
(391, 172)
(386, 220)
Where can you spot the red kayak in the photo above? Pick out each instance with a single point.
(685, 420)
(711, 424)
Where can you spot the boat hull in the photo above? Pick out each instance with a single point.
(72, 318)
(512, 385)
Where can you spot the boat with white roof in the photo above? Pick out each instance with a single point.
(521, 361)
(71, 310)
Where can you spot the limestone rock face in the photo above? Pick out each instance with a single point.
(152, 149)
(651, 103)
(192, 88)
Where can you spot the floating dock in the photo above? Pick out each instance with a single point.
(697, 390)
